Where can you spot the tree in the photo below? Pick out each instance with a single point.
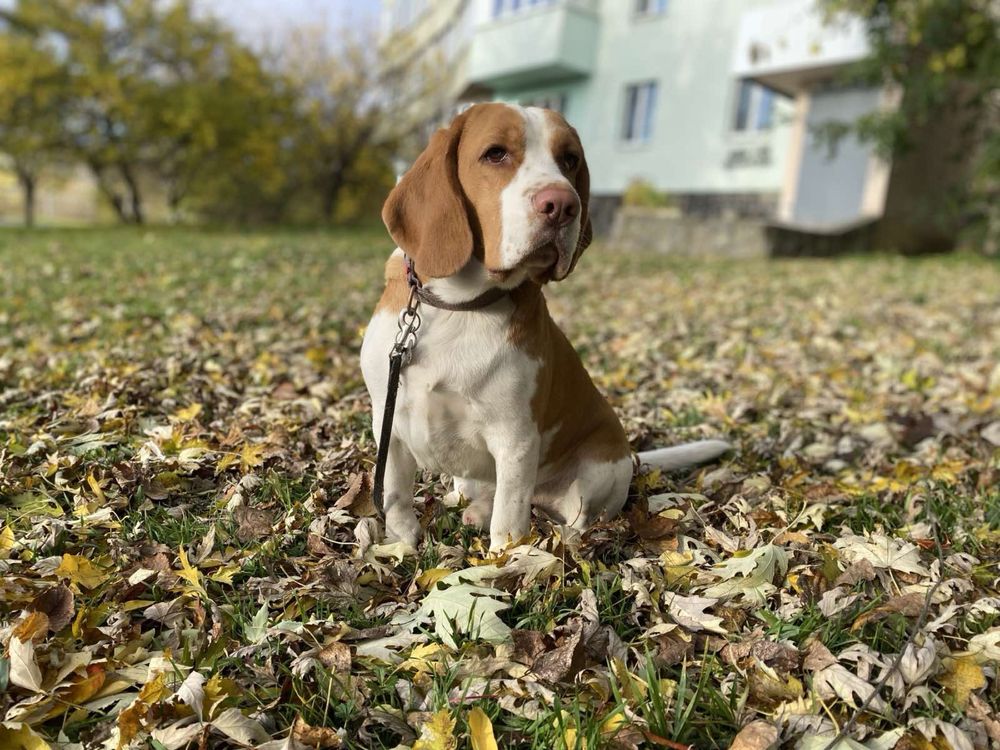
(944, 55)
(32, 97)
(353, 112)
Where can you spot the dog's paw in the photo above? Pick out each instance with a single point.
(401, 525)
(478, 514)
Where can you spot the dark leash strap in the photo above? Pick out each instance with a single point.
(402, 352)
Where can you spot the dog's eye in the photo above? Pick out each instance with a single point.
(495, 154)
(570, 161)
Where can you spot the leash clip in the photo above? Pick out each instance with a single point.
(409, 324)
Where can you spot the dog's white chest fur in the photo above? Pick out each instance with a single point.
(466, 387)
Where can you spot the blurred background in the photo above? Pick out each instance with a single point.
(725, 127)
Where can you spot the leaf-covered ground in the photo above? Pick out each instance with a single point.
(189, 556)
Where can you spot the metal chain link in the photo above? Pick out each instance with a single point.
(409, 324)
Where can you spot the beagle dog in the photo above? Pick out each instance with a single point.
(496, 397)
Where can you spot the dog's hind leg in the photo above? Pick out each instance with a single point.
(598, 492)
(480, 496)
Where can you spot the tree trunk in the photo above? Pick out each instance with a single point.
(332, 186)
(28, 182)
(114, 198)
(135, 196)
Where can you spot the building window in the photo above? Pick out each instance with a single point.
(754, 107)
(640, 111)
(555, 101)
(650, 7)
(509, 7)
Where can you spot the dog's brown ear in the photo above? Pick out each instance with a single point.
(582, 185)
(425, 213)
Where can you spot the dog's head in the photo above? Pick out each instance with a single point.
(506, 184)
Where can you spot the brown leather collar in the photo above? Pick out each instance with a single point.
(427, 297)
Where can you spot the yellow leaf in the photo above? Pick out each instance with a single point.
(225, 574)
(130, 722)
(438, 733)
(189, 573)
(227, 460)
(251, 456)
(80, 691)
(613, 723)
(80, 570)
(6, 542)
(187, 413)
(570, 738)
(155, 690)
(21, 738)
(481, 730)
(429, 577)
(32, 628)
(95, 487)
(962, 678)
(420, 658)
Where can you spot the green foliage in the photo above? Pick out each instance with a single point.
(944, 56)
(643, 194)
(155, 98)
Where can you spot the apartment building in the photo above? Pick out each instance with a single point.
(648, 84)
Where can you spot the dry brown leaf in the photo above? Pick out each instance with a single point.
(778, 655)
(909, 605)
(254, 523)
(528, 645)
(818, 657)
(336, 657)
(358, 498)
(57, 604)
(757, 735)
(320, 738)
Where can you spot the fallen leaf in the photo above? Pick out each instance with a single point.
(437, 733)
(757, 735)
(81, 571)
(315, 737)
(34, 627)
(24, 671)
(57, 604)
(962, 676)
(235, 725)
(18, 736)
(481, 730)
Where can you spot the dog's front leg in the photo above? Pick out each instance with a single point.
(517, 469)
(401, 523)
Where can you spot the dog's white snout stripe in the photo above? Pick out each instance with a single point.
(520, 221)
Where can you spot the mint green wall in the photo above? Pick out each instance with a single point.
(689, 51)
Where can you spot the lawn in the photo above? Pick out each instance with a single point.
(190, 557)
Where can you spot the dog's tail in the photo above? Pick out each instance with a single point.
(683, 456)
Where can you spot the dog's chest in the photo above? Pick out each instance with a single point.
(465, 387)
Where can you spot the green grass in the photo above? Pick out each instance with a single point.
(184, 373)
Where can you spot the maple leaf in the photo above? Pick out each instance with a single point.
(750, 576)
(962, 676)
(81, 571)
(883, 552)
(461, 609)
(438, 733)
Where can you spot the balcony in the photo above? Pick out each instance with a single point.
(537, 46)
(792, 45)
